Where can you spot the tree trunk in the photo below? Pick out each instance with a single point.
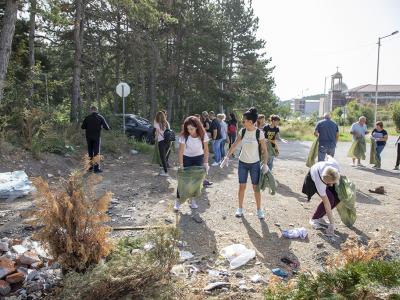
(153, 79)
(6, 37)
(117, 61)
(32, 23)
(78, 35)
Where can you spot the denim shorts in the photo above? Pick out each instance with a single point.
(244, 169)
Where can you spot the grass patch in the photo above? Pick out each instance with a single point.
(356, 280)
(140, 146)
(134, 275)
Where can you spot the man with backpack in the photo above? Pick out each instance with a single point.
(93, 124)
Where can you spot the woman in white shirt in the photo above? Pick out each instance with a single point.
(321, 180)
(193, 149)
(249, 159)
(161, 124)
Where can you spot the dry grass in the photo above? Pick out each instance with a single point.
(138, 275)
(73, 220)
(352, 251)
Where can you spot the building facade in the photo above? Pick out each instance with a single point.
(366, 93)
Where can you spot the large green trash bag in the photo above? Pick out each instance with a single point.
(346, 208)
(272, 152)
(312, 155)
(266, 180)
(190, 182)
(358, 149)
(373, 159)
(156, 155)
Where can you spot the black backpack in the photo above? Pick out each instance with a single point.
(169, 135)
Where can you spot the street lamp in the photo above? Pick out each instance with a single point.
(377, 72)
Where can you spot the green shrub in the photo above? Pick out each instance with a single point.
(355, 280)
(395, 108)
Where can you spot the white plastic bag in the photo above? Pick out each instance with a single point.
(14, 185)
(238, 255)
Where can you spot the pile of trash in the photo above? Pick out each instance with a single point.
(14, 185)
(26, 269)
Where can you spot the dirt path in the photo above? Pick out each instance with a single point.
(143, 198)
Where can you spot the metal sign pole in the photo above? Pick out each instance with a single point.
(123, 108)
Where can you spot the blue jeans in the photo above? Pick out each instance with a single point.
(244, 169)
(379, 149)
(223, 142)
(216, 144)
(323, 151)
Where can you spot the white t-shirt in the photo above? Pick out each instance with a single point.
(250, 153)
(224, 130)
(160, 134)
(316, 173)
(193, 146)
(357, 128)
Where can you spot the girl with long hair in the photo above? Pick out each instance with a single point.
(193, 149)
(161, 124)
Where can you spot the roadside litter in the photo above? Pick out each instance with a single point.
(295, 233)
(14, 185)
(237, 255)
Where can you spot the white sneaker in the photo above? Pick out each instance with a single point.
(177, 206)
(215, 164)
(239, 213)
(353, 165)
(162, 173)
(321, 221)
(260, 214)
(315, 224)
(193, 205)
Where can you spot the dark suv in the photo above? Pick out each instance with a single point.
(139, 128)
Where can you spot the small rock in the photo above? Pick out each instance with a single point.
(161, 201)
(15, 277)
(320, 245)
(5, 287)
(226, 278)
(239, 275)
(50, 175)
(277, 224)
(19, 249)
(7, 267)
(216, 285)
(223, 217)
(32, 275)
(168, 221)
(244, 287)
(291, 225)
(29, 258)
(4, 246)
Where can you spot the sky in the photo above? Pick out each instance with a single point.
(308, 39)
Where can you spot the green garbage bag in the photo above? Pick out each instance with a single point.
(190, 182)
(266, 180)
(358, 149)
(346, 208)
(272, 152)
(156, 155)
(373, 159)
(312, 155)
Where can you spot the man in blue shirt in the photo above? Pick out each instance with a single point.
(327, 133)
